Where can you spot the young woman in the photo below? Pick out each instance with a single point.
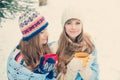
(76, 51)
(27, 61)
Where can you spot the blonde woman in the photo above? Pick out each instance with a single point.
(76, 51)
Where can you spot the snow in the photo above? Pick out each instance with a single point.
(102, 23)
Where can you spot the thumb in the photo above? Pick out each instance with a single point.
(42, 60)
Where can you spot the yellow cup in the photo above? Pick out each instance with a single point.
(83, 56)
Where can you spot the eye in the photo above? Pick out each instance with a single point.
(77, 23)
(68, 23)
(42, 31)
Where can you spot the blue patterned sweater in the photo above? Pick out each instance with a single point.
(16, 71)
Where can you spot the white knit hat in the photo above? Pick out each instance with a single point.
(71, 12)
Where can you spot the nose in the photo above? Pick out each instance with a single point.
(72, 26)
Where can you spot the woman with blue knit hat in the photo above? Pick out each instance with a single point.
(28, 60)
(77, 57)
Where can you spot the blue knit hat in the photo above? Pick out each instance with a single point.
(31, 23)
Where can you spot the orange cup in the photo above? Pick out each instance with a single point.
(83, 56)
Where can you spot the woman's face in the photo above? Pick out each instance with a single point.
(44, 36)
(73, 28)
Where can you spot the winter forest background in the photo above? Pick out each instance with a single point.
(102, 23)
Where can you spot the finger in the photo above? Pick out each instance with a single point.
(50, 60)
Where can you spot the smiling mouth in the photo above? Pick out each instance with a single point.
(72, 31)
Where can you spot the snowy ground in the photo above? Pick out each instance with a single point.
(102, 23)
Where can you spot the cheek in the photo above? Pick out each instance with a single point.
(41, 36)
(67, 29)
(43, 39)
(79, 30)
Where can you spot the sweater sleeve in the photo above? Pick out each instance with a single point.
(16, 71)
(94, 67)
(90, 72)
(50, 79)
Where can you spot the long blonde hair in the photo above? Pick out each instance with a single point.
(32, 50)
(67, 48)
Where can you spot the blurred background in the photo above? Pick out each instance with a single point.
(101, 22)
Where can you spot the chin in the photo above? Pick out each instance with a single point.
(73, 37)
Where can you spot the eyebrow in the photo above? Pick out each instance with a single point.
(72, 20)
